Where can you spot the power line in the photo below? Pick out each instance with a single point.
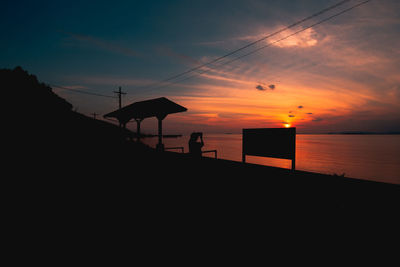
(81, 91)
(265, 46)
(200, 72)
(249, 45)
(297, 32)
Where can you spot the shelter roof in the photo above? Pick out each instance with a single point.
(158, 107)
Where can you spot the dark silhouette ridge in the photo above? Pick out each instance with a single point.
(75, 165)
(75, 182)
(44, 127)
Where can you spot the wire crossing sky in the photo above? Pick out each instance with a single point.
(162, 84)
(253, 43)
(330, 65)
(80, 91)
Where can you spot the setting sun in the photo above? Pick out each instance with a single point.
(287, 125)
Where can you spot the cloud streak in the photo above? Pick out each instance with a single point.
(103, 44)
(187, 60)
(304, 39)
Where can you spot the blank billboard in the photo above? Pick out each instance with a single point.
(270, 142)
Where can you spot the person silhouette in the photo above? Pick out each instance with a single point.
(194, 145)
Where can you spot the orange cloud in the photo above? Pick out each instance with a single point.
(306, 38)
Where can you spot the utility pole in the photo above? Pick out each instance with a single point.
(94, 115)
(120, 93)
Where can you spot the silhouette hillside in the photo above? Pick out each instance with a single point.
(69, 168)
(43, 125)
(32, 94)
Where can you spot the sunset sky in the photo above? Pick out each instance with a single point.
(341, 75)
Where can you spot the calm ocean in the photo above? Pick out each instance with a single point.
(371, 157)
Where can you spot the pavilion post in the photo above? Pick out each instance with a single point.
(160, 145)
(138, 121)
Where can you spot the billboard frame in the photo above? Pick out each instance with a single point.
(270, 142)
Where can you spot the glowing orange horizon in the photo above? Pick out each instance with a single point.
(261, 94)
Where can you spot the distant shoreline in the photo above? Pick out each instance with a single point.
(344, 133)
(367, 133)
(351, 133)
(333, 133)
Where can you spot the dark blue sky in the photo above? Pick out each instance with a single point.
(44, 35)
(100, 45)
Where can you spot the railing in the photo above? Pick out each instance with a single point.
(202, 152)
(210, 151)
(177, 147)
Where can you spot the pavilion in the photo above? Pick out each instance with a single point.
(158, 107)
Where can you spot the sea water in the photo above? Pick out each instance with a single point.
(370, 157)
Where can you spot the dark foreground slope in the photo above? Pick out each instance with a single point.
(61, 154)
(75, 188)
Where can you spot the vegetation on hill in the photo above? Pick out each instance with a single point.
(42, 121)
